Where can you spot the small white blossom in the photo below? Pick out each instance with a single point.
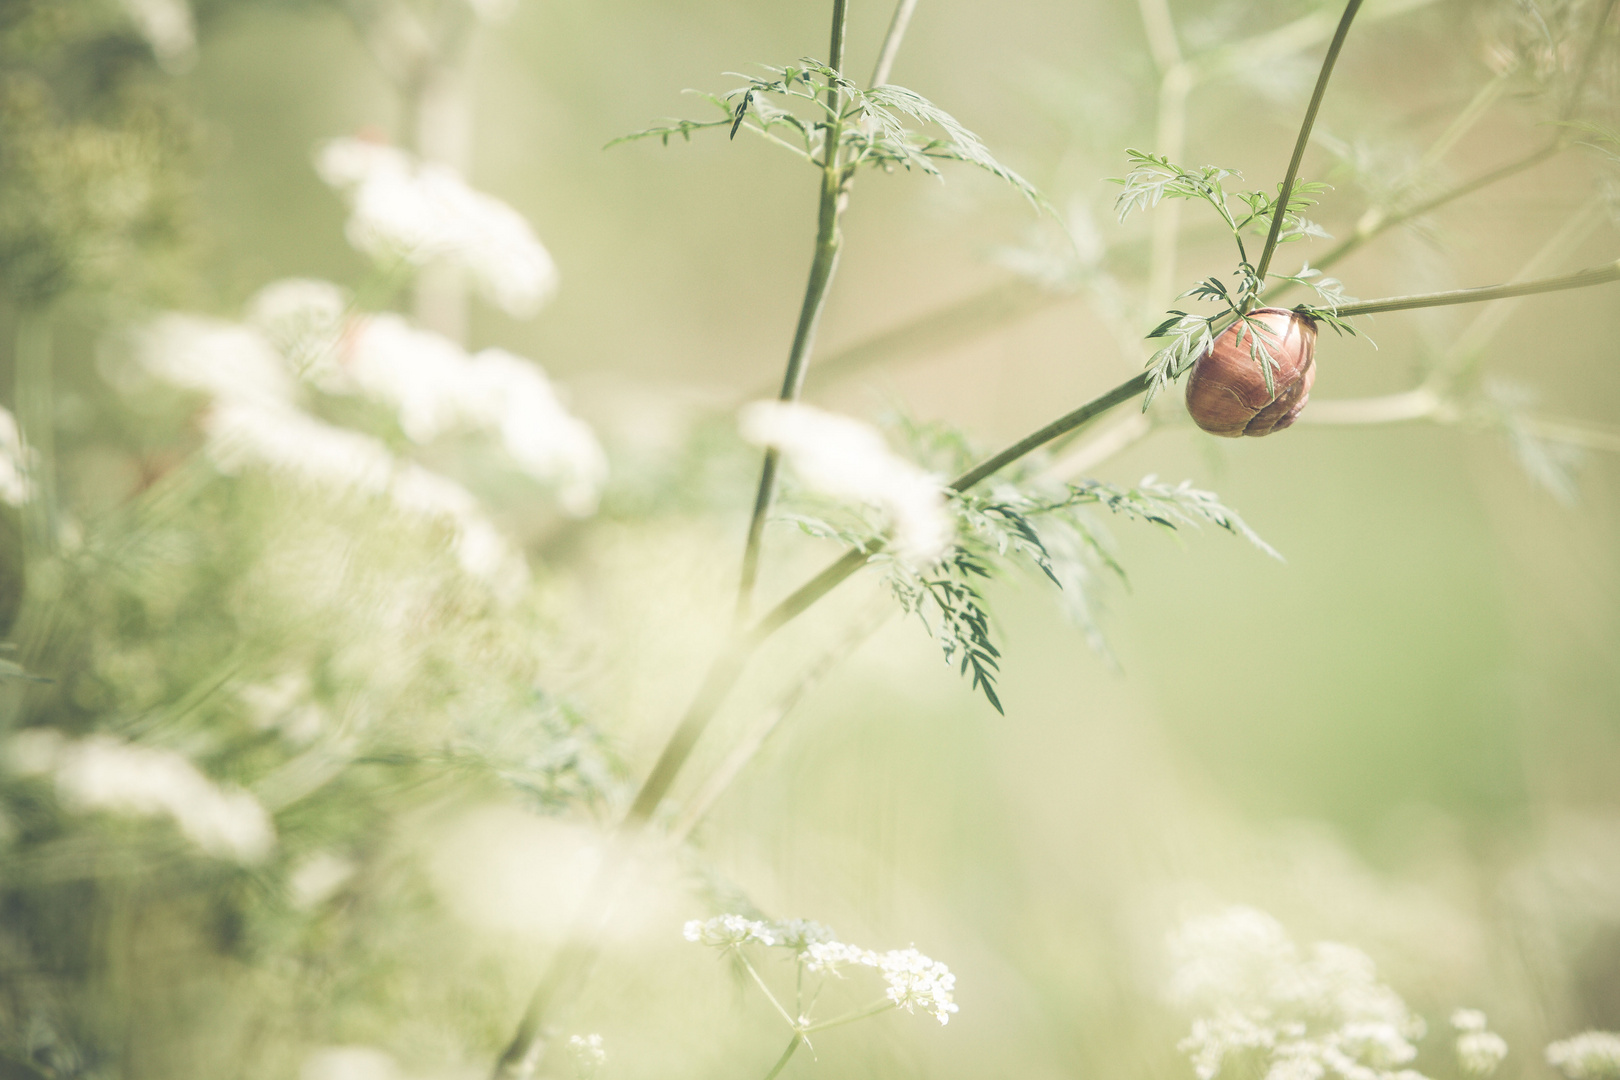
(303, 318)
(916, 980)
(723, 931)
(829, 956)
(545, 439)
(1591, 1055)
(15, 486)
(1479, 1050)
(800, 934)
(419, 212)
(847, 459)
(101, 773)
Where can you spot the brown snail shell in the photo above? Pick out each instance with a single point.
(1226, 392)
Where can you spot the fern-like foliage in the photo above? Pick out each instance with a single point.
(1054, 535)
(807, 106)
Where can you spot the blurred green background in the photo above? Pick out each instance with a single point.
(1406, 736)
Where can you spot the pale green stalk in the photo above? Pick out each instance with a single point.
(781, 1062)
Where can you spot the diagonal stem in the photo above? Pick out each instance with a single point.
(898, 24)
(781, 1062)
(1597, 275)
(1287, 189)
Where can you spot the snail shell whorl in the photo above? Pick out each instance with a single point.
(1226, 392)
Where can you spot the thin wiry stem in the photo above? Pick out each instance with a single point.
(829, 241)
(898, 24)
(1309, 122)
(1597, 275)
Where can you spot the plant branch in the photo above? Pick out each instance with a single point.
(1597, 275)
(781, 1062)
(1287, 189)
(898, 24)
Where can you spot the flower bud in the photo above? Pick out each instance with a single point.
(1226, 393)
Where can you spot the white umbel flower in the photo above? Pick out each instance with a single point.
(1591, 1055)
(420, 212)
(303, 318)
(1479, 1050)
(101, 773)
(847, 459)
(916, 981)
(285, 439)
(724, 931)
(1314, 1014)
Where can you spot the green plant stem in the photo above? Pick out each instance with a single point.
(781, 1062)
(850, 1017)
(1284, 194)
(829, 241)
(1597, 275)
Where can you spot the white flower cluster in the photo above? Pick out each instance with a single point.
(102, 773)
(724, 931)
(914, 980)
(1318, 1014)
(301, 328)
(847, 459)
(15, 486)
(1479, 1050)
(402, 209)
(1591, 1055)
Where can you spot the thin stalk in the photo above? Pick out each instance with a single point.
(1283, 195)
(850, 1017)
(766, 990)
(781, 1062)
(1597, 275)
(891, 41)
(824, 264)
(1588, 61)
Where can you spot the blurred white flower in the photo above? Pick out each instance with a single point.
(1591, 1055)
(168, 27)
(101, 773)
(915, 980)
(829, 956)
(1479, 1050)
(800, 934)
(1320, 1013)
(349, 1063)
(285, 439)
(421, 212)
(726, 930)
(15, 486)
(436, 388)
(303, 319)
(227, 361)
(847, 459)
(545, 439)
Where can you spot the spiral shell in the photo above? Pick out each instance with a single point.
(1226, 392)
